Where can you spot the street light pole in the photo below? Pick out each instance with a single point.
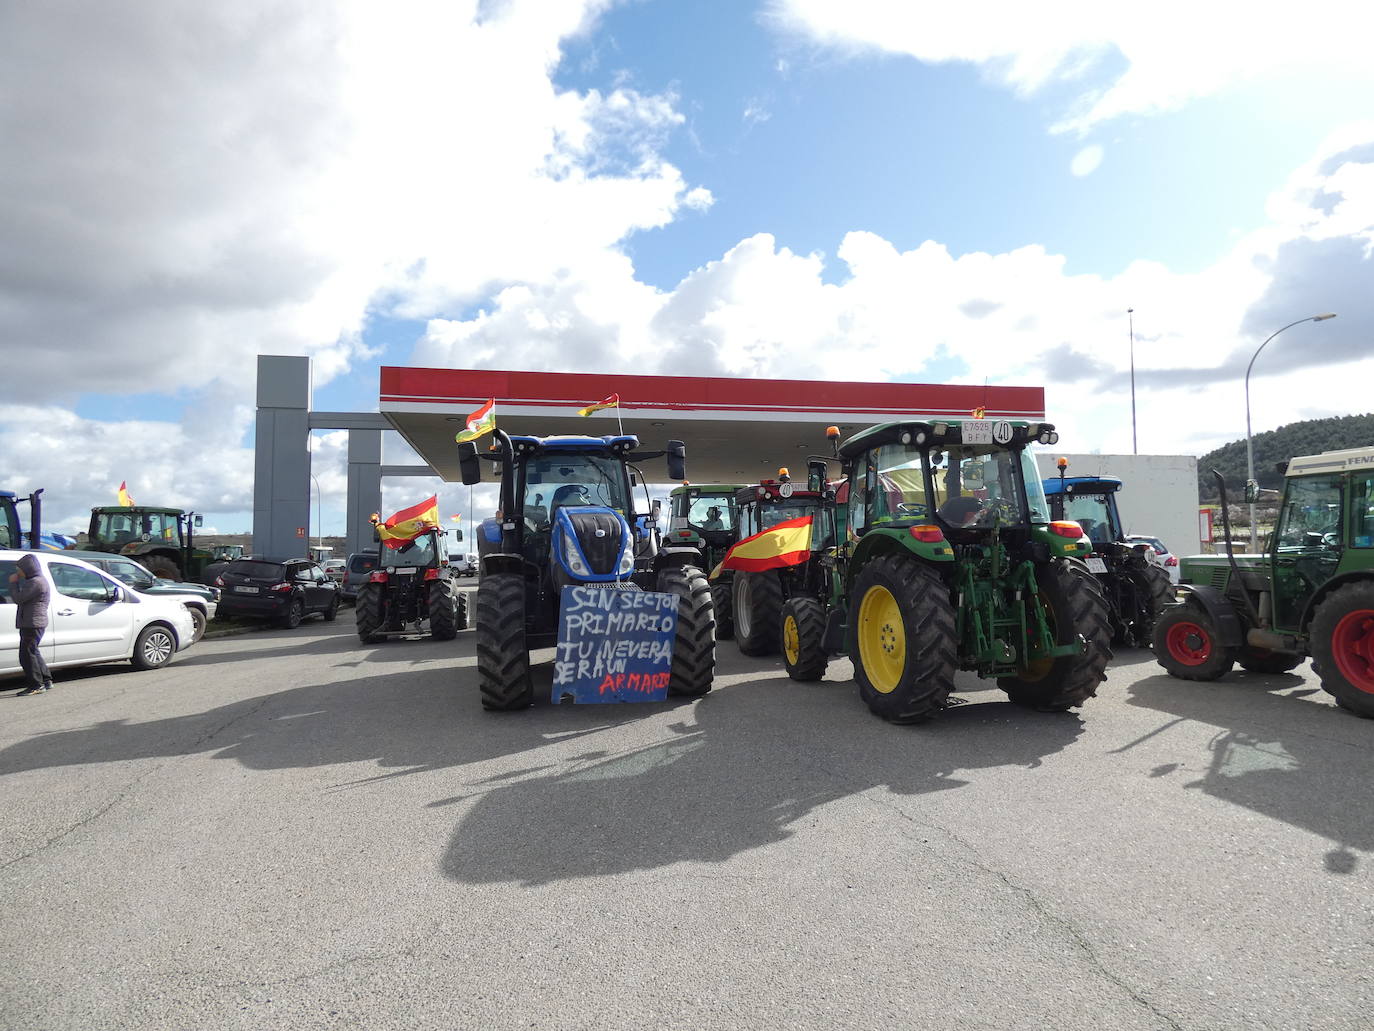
(319, 515)
(1249, 443)
(1130, 315)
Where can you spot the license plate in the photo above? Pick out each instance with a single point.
(405, 569)
(977, 431)
(1096, 565)
(247, 590)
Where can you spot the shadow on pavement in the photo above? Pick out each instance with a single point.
(1304, 762)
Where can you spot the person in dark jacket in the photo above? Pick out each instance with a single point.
(30, 592)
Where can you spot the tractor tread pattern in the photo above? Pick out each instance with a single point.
(503, 657)
(464, 620)
(722, 592)
(694, 648)
(1335, 606)
(765, 610)
(443, 610)
(1218, 664)
(809, 615)
(369, 612)
(1073, 679)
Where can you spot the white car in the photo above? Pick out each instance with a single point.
(1162, 554)
(92, 617)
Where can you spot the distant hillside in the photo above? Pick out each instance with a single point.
(1310, 437)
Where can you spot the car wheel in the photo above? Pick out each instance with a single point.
(295, 612)
(154, 648)
(331, 612)
(198, 618)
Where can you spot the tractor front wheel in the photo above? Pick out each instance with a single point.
(369, 612)
(503, 656)
(803, 627)
(161, 566)
(1186, 645)
(901, 639)
(757, 606)
(1262, 660)
(443, 610)
(1343, 647)
(694, 649)
(1074, 607)
(722, 598)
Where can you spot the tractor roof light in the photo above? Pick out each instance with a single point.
(1066, 528)
(832, 432)
(1062, 463)
(939, 429)
(784, 475)
(928, 534)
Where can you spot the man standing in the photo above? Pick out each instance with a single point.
(30, 592)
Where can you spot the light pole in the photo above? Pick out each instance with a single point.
(1253, 491)
(319, 516)
(1130, 315)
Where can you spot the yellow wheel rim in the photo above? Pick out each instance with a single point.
(791, 639)
(882, 639)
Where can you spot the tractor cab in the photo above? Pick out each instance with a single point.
(163, 539)
(1089, 501)
(10, 533)
(704, 516)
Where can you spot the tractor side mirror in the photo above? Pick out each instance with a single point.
(1251, 491)
(457, 534)
(468, 463)
(815, 476)
(634, 480)
(200, 521)
(677, 460)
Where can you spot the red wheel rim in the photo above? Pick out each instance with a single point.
(1189, 643)
(1352, 646)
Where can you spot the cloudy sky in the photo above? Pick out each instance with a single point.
(863, 189)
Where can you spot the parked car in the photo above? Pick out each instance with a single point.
(1167, 559)
(334, 569)
(284, 590)
(360, 567)
(92, 618)
(464, 565)
(199, 599)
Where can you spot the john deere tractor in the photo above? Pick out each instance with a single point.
(413, 590)
(162, 539)
(950, 561)
(703, 516)
(567, 517)
(1311, 593)
(1137, 587)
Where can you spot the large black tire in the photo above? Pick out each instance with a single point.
(199, 619)
(694, 648)
(757, 609)
(154, 648)
(803, 627)
(331, 611)
(901, 639)
(463, 620)
(1343, 647)
(443, 610)
(161, 566)
(1077, 608)
(369, 614)
(1262, 660)
(722, 599)
(503, 657)
(1186, 644)
(295, 612)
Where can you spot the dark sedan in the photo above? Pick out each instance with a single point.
(283, 590)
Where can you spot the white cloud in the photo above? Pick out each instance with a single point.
(1085, 162)
(1116, 59)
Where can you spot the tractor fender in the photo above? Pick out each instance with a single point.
(669, 558)
(1230, 630)
(503, 563)
(1320, 595)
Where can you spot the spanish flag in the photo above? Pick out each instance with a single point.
(409, 523)
(786, 544)
(979, 413)
(124, 498)
(611, 402)
(479, 422)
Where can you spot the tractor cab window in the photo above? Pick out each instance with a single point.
(419, 552)
(979, 485)
(1311, 516)
(1362, 513)
(556, 481)
(123, 527)
(711, 512)
(899, 489)
(1093, 512)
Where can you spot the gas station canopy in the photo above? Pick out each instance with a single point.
(736, 430)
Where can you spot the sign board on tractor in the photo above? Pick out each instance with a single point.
(614, 645)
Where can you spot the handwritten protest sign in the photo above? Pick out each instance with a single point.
(614, 645)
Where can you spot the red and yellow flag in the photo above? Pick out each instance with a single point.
(409, 523)
(123, 495)
(786, 544)
(979, 413)
(479, 422)
(611, 402)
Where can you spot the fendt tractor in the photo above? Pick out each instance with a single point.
(162, 539)
(413, 590)
(567, 517)
(1137, 587)
(757, 598)
(949, 560)
(1311, 593)
(703, 516)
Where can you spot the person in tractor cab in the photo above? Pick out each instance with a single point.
(713, 519)
(961, 511)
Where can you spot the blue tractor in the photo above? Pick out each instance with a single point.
(567, 517)
(12, 532)
(1137, 587)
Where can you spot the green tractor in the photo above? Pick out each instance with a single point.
(703, 516)
(1311, 593)
(162, 539)
(949, 560)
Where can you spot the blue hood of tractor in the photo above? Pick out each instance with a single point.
(592, 544)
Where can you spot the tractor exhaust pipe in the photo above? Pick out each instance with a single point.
(1231, 552)
(35, 501)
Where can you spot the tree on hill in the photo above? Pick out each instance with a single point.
(1309, 437)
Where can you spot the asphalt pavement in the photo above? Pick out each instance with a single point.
(286, 829)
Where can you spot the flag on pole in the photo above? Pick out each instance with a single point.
(611, 402)
(124, 498)
(409, 523)
(786, 544)
(456, 518)
(979, 413)
(479, 422)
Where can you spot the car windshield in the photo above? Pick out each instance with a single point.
(122, 527)
(254, 570)
(419, 552)
(553, 481)
(362, 563)
(131, 573)
(1091, 512)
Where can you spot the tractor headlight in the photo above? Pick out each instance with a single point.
(627, 560)
(574, 556)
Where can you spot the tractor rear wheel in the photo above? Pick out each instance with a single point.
(161, 566)
(1343, 647)
(803, 626)
(1186, 644)
(694, 648)
(369, 612)
(1262, 660)
(722, 598)
(757, 607)
(1074, 606)
(463, 621)
(503, 656)
(901, 639)
(443, 610)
